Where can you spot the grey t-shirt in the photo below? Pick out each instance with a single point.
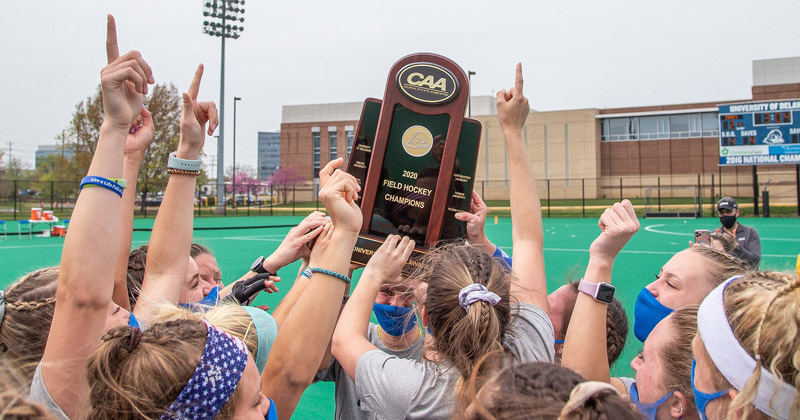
(347, 403)
(393, 388)
(39, 394)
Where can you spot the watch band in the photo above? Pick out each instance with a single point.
(594, 289)
(183, 164)
(258, 265)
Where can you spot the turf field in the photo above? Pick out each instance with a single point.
(566, 254)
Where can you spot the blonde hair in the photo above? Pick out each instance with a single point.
(30, 303)
(228, 317)
(678, 354)
(719, 265)
(763, 310)
(137, 375)
(465, 337)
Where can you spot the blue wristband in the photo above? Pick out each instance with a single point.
(331, 273)
(102, 182)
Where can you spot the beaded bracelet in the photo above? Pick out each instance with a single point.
(102, 182)
(331, 273)
(172, 171)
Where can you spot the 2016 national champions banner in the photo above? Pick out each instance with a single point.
(759, 133)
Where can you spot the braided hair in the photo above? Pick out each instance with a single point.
(137, 375)
(464, 337)
(30, 303)
(137, 260)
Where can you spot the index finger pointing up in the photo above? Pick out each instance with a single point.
(518, 81)
(112, 48)
(194, 88)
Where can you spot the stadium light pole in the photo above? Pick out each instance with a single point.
(235, 99)
(470, 73)
(224, 20)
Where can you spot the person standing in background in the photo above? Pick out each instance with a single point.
(737, 239)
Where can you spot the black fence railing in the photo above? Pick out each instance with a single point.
(577, 197)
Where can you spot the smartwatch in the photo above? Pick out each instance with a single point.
(258, 265)
(601, 292)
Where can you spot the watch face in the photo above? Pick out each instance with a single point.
(257, 264)
(605, 293)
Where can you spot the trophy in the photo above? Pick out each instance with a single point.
(414, 156)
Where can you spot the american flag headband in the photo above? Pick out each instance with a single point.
(213, 382)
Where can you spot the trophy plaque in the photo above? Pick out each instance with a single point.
(414, 157)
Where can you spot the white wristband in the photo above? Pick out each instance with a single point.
(183, 164)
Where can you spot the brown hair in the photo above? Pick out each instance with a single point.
(137, 375)
(463, 336)
(763, 309)
(30, 303)
(677, 355)
(539, 391)
(198, 249)
(13, 389)
(137, 260)
(616, 324)
(720, 265)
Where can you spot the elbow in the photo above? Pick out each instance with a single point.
(338, 342)
(296, 382)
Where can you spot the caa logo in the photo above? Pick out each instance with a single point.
(427, 83)
(417, 141)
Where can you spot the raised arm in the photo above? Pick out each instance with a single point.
(350, 337)
(304, 335)
(585, 342)
(526, 214)
(168, 253)
(85, 282)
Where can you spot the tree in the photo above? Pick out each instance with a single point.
(164, 103)
(285, 179)
(246, 184)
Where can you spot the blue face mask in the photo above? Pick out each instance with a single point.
(701, 399)
(646, 410)
(272, 414)
(395, 320)
(133, 322)
(647, 313)
(211, 299)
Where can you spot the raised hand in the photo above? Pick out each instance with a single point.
(244, 291)
(512, 105)
(388, 261)
(321, 246)
(296, 243)
(338, 194)
(617, 225)
(194, 116)
(123, 82)
(476, 221)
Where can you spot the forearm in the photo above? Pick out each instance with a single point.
(585, 341)
(350, 337)
(305, 333)
(526, 221)
(130, 173)
(170, 242)
(94, 229)
(287, 303)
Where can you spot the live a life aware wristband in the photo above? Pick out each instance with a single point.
(110, 184)
(331, 273)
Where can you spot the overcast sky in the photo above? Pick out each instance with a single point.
(575, 54)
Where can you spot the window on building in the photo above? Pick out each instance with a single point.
(616, 129)
(315, 141)
(679, 126)
(651, 128)
(710, 124)
(334, 147)
(695, 125)
(349, 136)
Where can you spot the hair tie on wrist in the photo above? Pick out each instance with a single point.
(475, 292)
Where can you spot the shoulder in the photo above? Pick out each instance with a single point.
(531, 337)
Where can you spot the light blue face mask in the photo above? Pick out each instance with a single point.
(133, 322)
(701, 399)
(395, 320)
(211, 299)
(647, 313)
(646, 410)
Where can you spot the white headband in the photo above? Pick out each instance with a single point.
(774, 398)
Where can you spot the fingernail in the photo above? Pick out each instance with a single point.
(144, 108)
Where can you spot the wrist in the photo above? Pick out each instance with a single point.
(114, 131)
(272, 264)
(598, 269)
(186, 152)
